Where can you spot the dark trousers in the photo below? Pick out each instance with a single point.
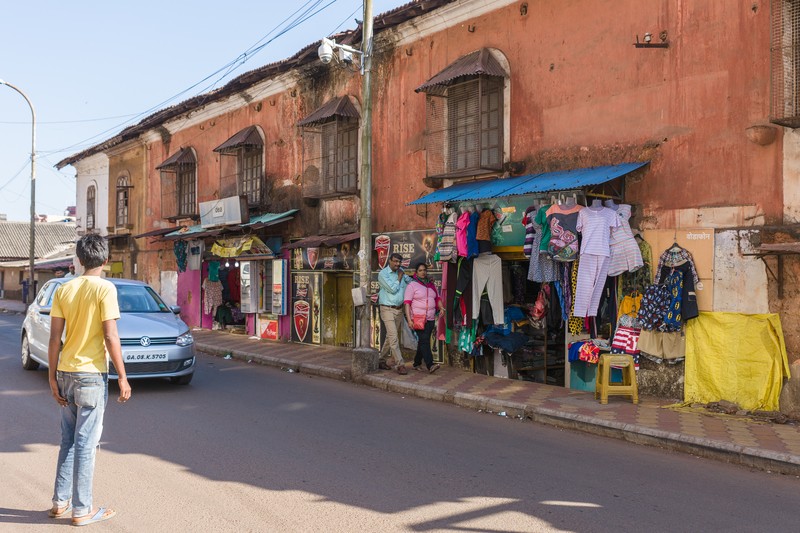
(424, 345)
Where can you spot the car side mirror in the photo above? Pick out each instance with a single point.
(176, 309)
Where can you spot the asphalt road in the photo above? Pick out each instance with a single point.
(251, 448)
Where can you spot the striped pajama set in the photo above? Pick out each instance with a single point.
(595, 226)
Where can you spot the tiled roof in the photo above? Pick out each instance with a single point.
(15, 239)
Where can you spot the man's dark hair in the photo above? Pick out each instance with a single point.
(396, 256)
(92, 251)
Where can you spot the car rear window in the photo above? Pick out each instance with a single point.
(140, 299)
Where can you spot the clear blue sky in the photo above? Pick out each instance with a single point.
(93, 67)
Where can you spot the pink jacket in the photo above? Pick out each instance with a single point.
(461, 233)
(422, 297)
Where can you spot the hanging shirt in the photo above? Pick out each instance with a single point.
(461, 233)
(595, 225)
(472, 235)
(447, 244)
(541, 219)
(486, 222)
(563, 222)
(440, 222)
(530, 230)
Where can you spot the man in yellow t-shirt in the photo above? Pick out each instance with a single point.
(87, 307)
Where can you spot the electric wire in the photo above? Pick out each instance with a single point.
(231, 65)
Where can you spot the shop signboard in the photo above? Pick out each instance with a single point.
(415, 247)
(267, 327)
(306, 307)
(325, 258)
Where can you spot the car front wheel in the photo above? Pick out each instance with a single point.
(182, 380)
(27, 361)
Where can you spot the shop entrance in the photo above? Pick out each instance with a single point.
(338, 318)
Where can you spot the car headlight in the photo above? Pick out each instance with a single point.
(185, 340)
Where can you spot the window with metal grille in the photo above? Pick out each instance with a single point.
(187, 189)
(91, 197)
(785, 63)
(465, 128)
(330, 158)
(251, 174)
(179, 185)
(123, 188)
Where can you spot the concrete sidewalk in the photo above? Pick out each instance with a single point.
(740, 440)
(12, 306)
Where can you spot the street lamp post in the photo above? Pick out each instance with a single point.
(33, 182)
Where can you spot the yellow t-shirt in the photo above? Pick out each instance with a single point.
(85, 303)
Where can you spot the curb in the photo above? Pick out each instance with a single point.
(767, 460)
(279, 362)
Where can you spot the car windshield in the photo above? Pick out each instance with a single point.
(140, 299)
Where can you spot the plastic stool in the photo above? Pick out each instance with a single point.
(604, 387)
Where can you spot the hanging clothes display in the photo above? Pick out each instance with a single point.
(446, 249)
(472, 234)
(483, 234)
(212, 295)
(595, 224)
(487, 273)
(213, 270)
(563, 245)
(530, 231)
(625, 253)
(541, 268)
(461, 234)
(179, 248)
(440, 222)
(688, 296)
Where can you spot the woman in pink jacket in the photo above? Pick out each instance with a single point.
(422, 302)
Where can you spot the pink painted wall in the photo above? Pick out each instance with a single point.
(189, 297)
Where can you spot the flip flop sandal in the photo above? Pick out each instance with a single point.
(60, 512)
(101, 515)
(434, 368)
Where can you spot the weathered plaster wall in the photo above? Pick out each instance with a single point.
(740, 282)
(582, 95)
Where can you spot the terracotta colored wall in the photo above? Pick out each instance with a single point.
(582, 95)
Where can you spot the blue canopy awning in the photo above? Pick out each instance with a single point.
(530, 184)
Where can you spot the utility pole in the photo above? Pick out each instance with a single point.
(31, 289)
(365, 253)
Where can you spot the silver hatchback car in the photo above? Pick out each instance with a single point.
(156, 343)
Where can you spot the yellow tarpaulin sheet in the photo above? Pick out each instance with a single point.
(735, 357)
(234, 247)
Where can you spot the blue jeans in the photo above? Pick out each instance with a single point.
(81, 427)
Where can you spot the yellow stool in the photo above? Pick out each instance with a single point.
(604, 387)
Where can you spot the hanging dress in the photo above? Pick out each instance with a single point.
(625, 253)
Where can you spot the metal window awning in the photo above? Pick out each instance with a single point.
(533, 183)
(323, 240)
(181, 157)
(338, 107)
(479, 63)
(198, 231)
(247, 137)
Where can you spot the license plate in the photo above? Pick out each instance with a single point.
(144, 357)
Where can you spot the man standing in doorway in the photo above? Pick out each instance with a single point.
(87, 306)
(392, 281)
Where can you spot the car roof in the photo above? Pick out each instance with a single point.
(118, 282)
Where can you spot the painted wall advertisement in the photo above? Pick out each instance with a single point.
(306, 307)
(338, 257)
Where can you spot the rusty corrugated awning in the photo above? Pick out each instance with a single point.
(338, 107)
(157, 232)
(479, 62)
(182, 156)
(323, 240)
(247, 137)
